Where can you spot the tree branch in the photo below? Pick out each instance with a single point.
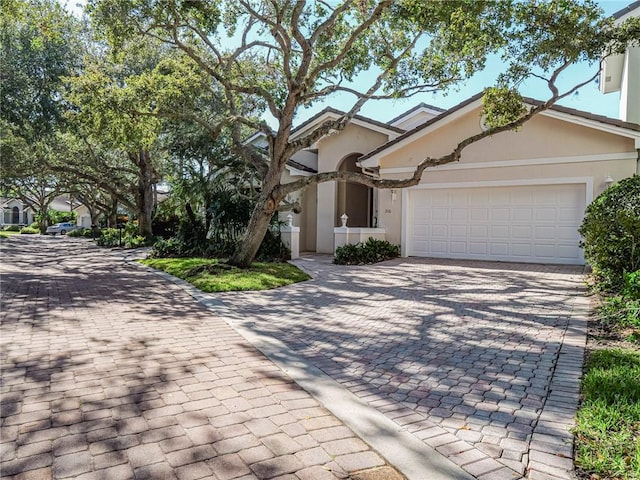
(454, 156)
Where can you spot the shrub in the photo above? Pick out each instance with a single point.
(623, 310)
(272, 249)
(371, 251)
(611, 232)
(165, 226)
(12, 228)
(112, 237)
(84, 232)
(29, 230)
(620, 311)
(168, 248)
(631, 285)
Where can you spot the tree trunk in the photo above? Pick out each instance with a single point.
(253, 236)
(266, 206)
(92, 214)
(144, 197)
(42, 204)
(112, 220)
(43, 221)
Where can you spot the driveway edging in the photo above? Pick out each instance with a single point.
(551, 451)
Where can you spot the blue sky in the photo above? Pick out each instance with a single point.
(588, 98)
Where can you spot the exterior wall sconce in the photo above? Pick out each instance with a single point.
(608, 181)
(344, 219)
(394, 196)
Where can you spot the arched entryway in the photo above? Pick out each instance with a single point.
(354, 199)
(15, 215)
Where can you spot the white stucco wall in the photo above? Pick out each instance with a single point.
(546, 148)
(630, 86)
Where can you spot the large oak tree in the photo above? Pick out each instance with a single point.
(285, 55)
(40, 45)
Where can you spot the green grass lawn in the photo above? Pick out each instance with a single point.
(209, 275)
(608, 422)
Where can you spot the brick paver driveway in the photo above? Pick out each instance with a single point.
(110, 372)
(479, 360)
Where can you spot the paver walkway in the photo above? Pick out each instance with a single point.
(479, 360)
(110, 372)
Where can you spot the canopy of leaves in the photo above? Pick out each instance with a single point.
(40, 45)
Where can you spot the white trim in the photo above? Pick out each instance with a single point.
(254, 137)
(409, 116)
(354, 121)
(605, 157)
(298, 173)
(404, 231)
(373, 160)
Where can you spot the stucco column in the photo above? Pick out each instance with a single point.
(291, 237)
(326, 217)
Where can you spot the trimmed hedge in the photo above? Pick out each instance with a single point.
(112, 237)
(611, 232)
(365, 253)
(84, 233)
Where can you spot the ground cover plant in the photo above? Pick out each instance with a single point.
(608, 423)
(212, 275)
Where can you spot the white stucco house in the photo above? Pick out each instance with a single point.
(516, 196)
(83, 216)
(621, 73)
(15, 212)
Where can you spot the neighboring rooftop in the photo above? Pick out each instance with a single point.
(628, 9)
(421, 106)
(339, 113)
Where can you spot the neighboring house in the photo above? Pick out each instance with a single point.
(84, 218)
(15, 212)
(621, 73)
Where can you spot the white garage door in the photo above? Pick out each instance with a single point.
(537, 223)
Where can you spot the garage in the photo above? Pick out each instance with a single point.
(518, 223)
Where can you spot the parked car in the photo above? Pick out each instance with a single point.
(61, 228)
